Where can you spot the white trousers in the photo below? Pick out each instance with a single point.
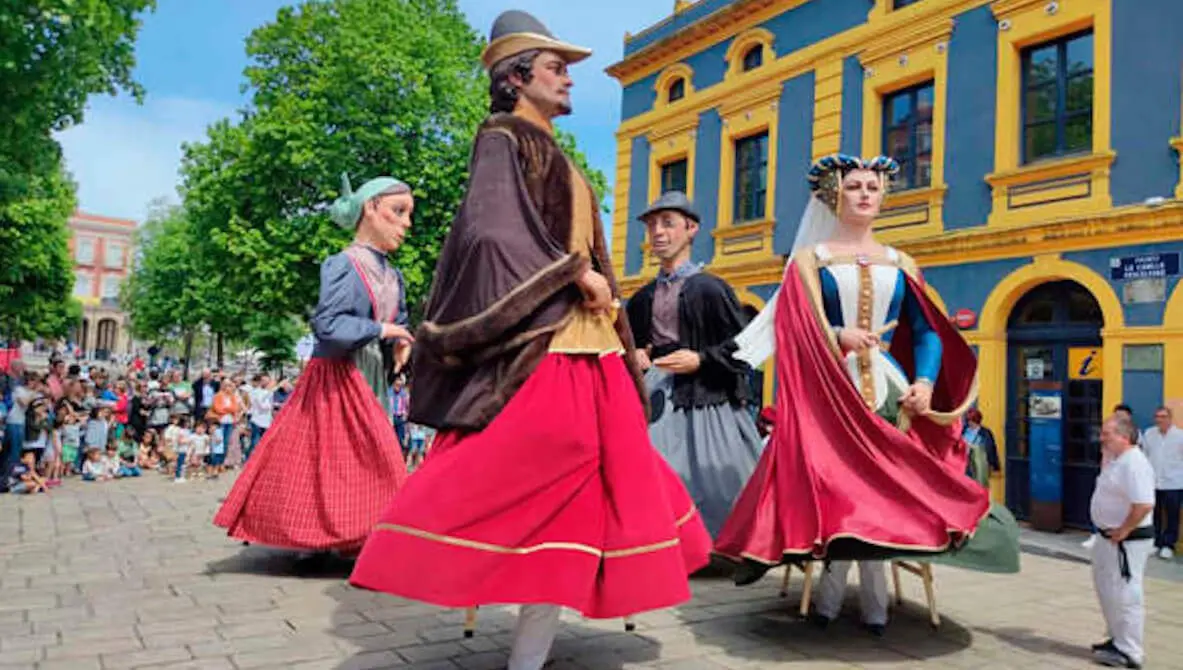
(533, 636)
(872, 590)
(1121, 600)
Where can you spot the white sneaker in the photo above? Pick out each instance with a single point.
(1088, 544)
(1166, 553)
(180, 480)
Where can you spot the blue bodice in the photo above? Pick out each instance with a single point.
(887, 299)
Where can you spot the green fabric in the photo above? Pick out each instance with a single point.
(346, 210)
(368, 360)
(979, 465)
(994, 547)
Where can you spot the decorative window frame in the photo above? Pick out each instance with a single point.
(752, 112)
(666, 79)
(90, 278)
(740, 46)
(80, 240)
(1027, 194)
(902, 59)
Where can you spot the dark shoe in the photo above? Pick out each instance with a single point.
(749, 572)
(1107, 645)
(818, 621)
(876, 629)
(1115, 658)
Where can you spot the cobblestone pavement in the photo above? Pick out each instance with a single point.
(132, 575)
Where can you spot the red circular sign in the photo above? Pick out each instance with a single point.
(965, 319)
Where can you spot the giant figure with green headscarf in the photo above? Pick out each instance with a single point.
(331, 460)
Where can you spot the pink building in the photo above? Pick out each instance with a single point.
(102, 249)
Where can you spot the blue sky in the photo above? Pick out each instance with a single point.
(190, 59)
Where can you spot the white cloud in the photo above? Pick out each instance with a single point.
(125, 155)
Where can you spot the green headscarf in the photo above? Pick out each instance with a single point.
(346, 210)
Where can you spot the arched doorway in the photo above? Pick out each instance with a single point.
(105, 341)
(1054, 377)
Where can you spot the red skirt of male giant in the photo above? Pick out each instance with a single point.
(561, 500)
(323, 472)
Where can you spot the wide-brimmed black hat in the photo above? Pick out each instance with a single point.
(675, 201)
(516, 31)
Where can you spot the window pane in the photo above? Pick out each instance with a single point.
(85, 251)
(1080, 93)
(1080, 54)
(1083, 308)
(754, 58)
(82, 286)
(1040, 141)
(1040, 103)
(751, 178)
(673, 176)
(1078, 133)
(113, 255)
(1042, 64)
(923, 171)
(897, 144)
(1041, 309)
(924, 137)
(110, 287)
(899, 108)
(924, 102)
(677, 90)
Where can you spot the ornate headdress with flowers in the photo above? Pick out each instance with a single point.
(825, 177)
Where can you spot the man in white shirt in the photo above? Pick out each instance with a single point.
(260, 399)
(1164, 447)
(1120, 510)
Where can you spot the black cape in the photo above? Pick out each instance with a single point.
(709, 318)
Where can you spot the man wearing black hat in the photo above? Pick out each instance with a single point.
(685, 322)
(542, 487)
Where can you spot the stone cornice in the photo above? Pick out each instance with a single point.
(713, 27)
(905, 36)
(1117, 227)
(1006, 8)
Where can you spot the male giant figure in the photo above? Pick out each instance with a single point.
(542, 488)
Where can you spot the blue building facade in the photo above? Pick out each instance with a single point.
(1041, 192)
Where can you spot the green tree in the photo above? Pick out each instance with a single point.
(163, 293)
(364, 87)
(54, 54)
(37, 274)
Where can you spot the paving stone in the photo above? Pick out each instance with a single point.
(22, 642)
(288, 654)
(199, 664)
(431, 652)
(92, 648)
(148, 657)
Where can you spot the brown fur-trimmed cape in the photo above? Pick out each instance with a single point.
(504, 283)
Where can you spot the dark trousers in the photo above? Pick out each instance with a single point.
(400, 429)
(1166, 517)
(256, 436)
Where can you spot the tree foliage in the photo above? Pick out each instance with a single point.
(362, 87)
(163, 294)
(54, 54)
(37, 274)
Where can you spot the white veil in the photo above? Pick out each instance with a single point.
(758, 340)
